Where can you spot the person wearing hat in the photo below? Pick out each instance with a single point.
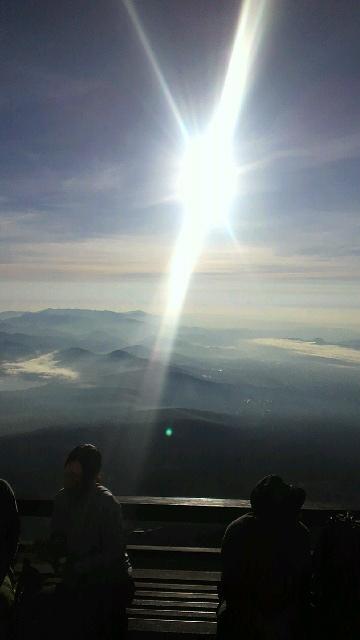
(266, 567)
(89, 552)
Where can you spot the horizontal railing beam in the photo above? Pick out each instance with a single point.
(157, 509)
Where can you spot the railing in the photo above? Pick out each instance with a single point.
(176, 590)
(143, 510)
(207, 510)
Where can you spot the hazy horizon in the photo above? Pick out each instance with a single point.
(263, 401)
(91, 153)
(335, 329)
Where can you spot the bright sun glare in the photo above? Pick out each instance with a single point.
(207, 181)
(206, 189)
(207, 177)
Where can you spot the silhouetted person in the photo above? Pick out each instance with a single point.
(89, 551)
(266, 567)
(9, 537)
(337, 579)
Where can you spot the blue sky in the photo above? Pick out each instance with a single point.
(89, 154)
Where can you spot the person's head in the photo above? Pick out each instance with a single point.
(273, 497)
(82, 467)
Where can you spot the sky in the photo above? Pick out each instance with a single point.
(90, 153)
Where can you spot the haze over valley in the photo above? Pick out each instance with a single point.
(65, 371)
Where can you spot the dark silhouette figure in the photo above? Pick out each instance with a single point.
(266, 567)
(9, 537)
(88, 552)
(337, 579)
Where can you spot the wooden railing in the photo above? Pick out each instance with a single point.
(176, 586)
(206, 510)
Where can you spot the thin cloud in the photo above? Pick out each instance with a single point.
(124, 255)
(97, 180)
(312, 155)
(326, 351)
(44, 366)
(98, 258)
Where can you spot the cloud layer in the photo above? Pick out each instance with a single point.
(90, 152)
(332, 352)
(44, 366)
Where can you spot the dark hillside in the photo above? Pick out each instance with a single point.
(206, 455)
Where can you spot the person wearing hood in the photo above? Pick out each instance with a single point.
(266, 567)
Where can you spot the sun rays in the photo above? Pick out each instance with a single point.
(207, 179)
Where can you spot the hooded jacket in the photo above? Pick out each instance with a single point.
(266, 559)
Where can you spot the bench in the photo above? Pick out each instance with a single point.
(176, 587)
(174, 602)
(167, 601)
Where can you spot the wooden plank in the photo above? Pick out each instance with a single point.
(144, 509)
(167, 549)
(150, 513)
(175, 585)
(172, 614)
(192, 604)
(26, 547)
(176, 595)
(175, 501)
(173, 626)
(173, 574)
(43, 507)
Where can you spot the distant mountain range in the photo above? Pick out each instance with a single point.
(96, 330)
(57, 362)
(237, 406)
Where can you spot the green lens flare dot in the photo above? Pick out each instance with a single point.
(168, 432)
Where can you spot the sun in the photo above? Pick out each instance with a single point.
(206, 189)
(207, 178)
(207, 181)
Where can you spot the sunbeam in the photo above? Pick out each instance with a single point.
(207, 176)
(252, 23)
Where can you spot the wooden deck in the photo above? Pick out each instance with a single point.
(170, 602)
(174, 602)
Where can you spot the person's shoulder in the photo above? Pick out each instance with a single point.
(7, 494)
(106, 496)
(5, 487)
(245, 522)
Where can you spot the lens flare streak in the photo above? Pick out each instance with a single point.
(207, 180)
(155, 65)
(208, 176)
(253, 19)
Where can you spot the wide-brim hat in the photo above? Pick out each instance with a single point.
(272, 493)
